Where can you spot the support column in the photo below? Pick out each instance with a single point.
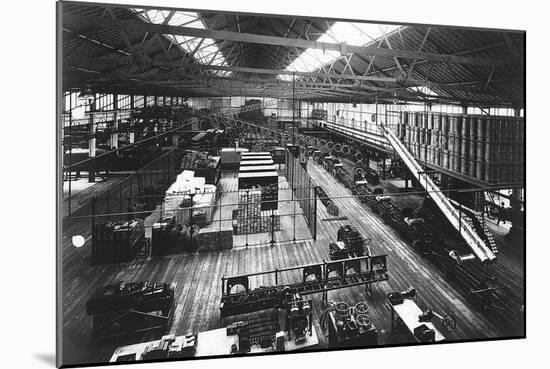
(384, 168)
(518, 223)
(92, 147)
(114, 134)
(132, 135)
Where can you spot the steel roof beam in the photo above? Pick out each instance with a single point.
(137, 26)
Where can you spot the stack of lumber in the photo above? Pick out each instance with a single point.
(249, 212)
(116, 242)
(179, 191)
(215, 239)
(266, 221)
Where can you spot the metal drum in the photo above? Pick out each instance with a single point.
(338, 147)
(330, 145)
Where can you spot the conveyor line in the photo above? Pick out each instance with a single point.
(481, 250)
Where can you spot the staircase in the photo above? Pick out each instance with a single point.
(463, 225)
(487, 233)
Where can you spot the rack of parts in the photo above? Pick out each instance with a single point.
(123, 309)
(309, 279)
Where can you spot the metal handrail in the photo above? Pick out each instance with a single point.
(476, 244)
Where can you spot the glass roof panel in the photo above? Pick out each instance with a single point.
(355, 34)
(203, 54)
(424, 90)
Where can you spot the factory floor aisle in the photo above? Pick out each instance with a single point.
(406, 267)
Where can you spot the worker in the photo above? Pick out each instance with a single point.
(500, 214)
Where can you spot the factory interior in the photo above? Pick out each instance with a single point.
(239, 183)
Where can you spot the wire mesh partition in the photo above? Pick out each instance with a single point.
(152, 208)
(304, 190)
(116, 216)
(141, 191)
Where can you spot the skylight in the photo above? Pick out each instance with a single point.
(428, 92)
(205, 50)
(354, 34)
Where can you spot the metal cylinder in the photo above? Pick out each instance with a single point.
(473, 149)
(341, 310)
(452, 142)
(445, 159)
(480, 143)
(444, 132)
(465, 146)
(489, 167)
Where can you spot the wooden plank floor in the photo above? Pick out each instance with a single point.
(508, 270)
(83, 197)
(198, 278)
(292, 227)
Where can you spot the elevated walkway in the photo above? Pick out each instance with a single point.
(460, 222)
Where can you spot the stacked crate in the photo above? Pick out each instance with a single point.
(249, 211)
(215, 239)
(117, 242)
(251, 218)
(266, 221)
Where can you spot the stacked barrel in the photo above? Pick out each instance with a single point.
(486, 148)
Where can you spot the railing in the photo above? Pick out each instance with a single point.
(374, 138)
(476, 244)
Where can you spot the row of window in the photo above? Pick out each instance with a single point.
(106, 102)
(346, 113)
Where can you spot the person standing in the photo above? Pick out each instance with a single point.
(500, 215)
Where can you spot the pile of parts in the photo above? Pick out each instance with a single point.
(407, 316)
(122, 309)
(349, 326)
(314, 278)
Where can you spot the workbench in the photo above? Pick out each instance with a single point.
(408, 313)
(365, 337)
(216, 342)
(213, 343)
